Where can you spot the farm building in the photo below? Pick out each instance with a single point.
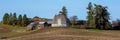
(60, 20)
(39, 23)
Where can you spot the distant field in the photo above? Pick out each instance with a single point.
(70, 34)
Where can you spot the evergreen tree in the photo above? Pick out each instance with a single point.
(19, 20)
(24, 20)
(102, 17)
(90, 18)
(6, 18)
(14, 19)
(64, 11)
(10, 19)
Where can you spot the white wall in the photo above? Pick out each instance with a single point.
(57, 25)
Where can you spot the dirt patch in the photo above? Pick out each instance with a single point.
(3, 29)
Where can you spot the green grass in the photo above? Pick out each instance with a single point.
(17, 28)
(89, 29)
(75, 26)
(93, 30)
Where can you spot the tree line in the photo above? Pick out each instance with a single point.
(116, 24)
(98, 17)
(12, 19)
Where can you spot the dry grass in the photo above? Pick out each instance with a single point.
(8, 31)
(69, 34)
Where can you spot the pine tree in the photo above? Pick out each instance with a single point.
(14, 19)
(64, 11)
(10, 19)
(102, 17)
(19, 20)
(24, 20)
(6, 18)
(90, 18)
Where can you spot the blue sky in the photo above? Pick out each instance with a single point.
(49, 8)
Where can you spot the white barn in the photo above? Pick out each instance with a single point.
(60, 20)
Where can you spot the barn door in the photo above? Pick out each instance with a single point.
(59, 22)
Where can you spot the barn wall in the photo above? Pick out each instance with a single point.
(58, 25)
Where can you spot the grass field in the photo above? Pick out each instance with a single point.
(70, 34)
(8, 32)
(75, 26)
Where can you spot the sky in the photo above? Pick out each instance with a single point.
(49, 8)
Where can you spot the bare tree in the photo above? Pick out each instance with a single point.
(73, 20)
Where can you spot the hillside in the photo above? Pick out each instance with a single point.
(4, 29)
(8, 31)
(69, 34)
